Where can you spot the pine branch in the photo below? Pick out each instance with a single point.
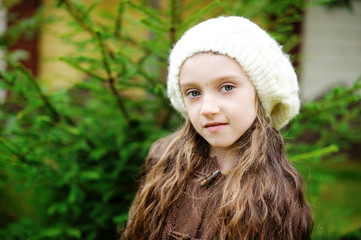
(11, 84)
(119, 20)
(87, 28)
(78, 18)
(152, 81)
(110, 79)
(55, 115)
(143, 73)
(106, 50)
(5, 80)
(174, 4)
(315, 153)
(153, 15)
(194, 18)
(76, 65)
(17, 154)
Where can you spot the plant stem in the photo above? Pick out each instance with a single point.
(106, 50)
(79, 19)
(19, 155)
(82, 69)
(174, 19)
(119, 20)
(10, 84)
(110, 79)
(53, 112)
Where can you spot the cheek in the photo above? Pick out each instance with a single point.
(253, 117)
(252, 111)
(192, 114)
(193, 117)
(191, 107)
(247, 110)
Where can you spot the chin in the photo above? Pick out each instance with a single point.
(220, 145)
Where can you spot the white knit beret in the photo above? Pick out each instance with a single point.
(259, 55)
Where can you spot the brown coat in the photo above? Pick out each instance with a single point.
(192, 215)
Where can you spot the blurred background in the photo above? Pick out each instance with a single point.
(82, 98)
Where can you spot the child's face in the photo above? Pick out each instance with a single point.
(219, 97)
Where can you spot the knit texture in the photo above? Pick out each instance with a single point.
(260, 56)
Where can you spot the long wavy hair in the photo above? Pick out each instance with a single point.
(262, 197)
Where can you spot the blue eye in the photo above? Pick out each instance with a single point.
(227, 88)
(193, 93)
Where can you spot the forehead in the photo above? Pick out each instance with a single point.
(210, 66)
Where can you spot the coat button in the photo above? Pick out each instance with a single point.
(188, 237)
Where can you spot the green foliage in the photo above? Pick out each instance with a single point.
(334, 4)
(325, 126)
(72, 156)
(334, 119)
(355, 235)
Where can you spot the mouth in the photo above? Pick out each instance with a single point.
(214, 127)
(214, 124)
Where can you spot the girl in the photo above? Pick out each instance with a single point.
(224, 174)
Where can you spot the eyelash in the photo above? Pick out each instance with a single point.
(191, 92)
(228, 85)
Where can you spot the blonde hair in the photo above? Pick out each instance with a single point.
(262, 197)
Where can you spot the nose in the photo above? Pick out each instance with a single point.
(209, 106)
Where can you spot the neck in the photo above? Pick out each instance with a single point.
(224, 158)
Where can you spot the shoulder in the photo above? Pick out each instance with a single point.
(160, 146)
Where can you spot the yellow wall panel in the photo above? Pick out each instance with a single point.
(54, 73)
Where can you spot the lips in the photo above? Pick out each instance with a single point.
(215, 126)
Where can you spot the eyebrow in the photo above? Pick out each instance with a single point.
(218, 79)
